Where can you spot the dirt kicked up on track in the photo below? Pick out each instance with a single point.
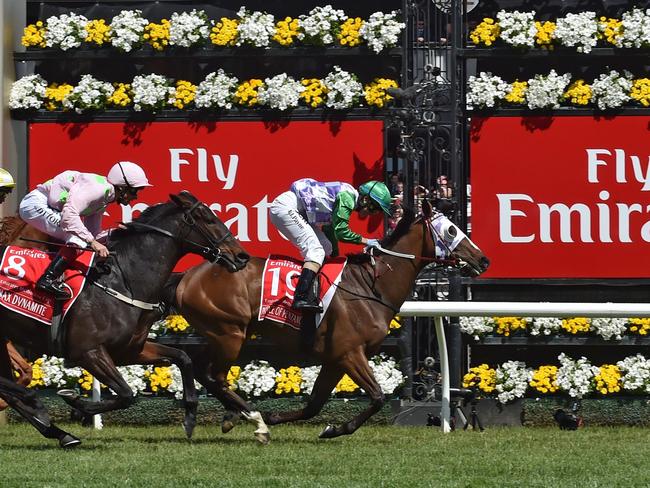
(376, 456)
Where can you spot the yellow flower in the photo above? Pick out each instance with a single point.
(184, 94)
(157, 34)
(98, 32)
(55, 94)
(34, 35)
(639, 326)
(121, 96)
(286, 31)
(507, 325)
(578, 93)
(517, 93)
(247, 92)
(159, 379)
(608, 379)
(641, 91)
(486, 32)
(233, 376)
(375, 93)
(545, 34)
(176, 323)
(224, 33)
(482, 377)
(349, 34)
(288, 380)
(576, 325)
(37, 374)
(610, 29)
(86, 381)
(314, 92)
(545, 379)
(346, 385)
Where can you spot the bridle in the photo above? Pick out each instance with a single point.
(212, 252)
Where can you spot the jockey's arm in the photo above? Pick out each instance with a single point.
(343, 208)
(89, 202)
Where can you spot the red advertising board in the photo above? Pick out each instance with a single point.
(562, 197)
(235, 167)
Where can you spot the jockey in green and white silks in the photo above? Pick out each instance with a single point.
(315, 216)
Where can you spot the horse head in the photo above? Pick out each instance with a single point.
(449, 242)
(208, 236)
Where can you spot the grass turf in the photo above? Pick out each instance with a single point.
(375, 456)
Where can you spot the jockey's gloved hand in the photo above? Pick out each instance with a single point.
(372, 243)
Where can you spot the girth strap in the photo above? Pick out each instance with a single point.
(123, 298)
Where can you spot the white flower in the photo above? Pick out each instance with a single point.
(545, 326)
(485, 90)
(27, 92)
(321, 24)
(256, 28)
(65, 31)
(188, 28)
(55, 375)
(134, 376)
(545, 91)
(635, 373)
(176, 386)
(216, 90)
(575, 377)
(308, 378)
(517, 28)
(151, 92)
(475, 326)
(281, 92)
(381, 30)
(636, 29)
(343, 90)
(257, 378)
(512, 379)
(611, 90)
(386, 372)
(89, 94)
(127, 28)
(578, 30)
(609, 327)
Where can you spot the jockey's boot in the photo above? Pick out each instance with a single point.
(50, 283)
(305, 297)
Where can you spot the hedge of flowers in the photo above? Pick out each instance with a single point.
(610, 90)
(582, 31)
(255, 380)
(339, 90)
(322, 26)
(576, 378)
(606, 328)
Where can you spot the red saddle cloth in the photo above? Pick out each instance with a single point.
(279, 281)
(21, 268)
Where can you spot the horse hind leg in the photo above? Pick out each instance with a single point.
(356, 366)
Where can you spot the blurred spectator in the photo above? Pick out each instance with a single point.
(442, 188)
(393, 220)
(395, 180)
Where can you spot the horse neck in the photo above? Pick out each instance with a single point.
(397, 275)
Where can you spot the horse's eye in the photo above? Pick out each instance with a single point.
(450, 233)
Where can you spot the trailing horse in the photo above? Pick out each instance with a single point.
(103, 331)
(224, 308)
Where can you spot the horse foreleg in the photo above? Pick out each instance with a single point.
(329, 376)
(154, 353)
(100, 364)
(356, 366)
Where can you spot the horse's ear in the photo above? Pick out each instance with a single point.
(183, 199)
(427, 210)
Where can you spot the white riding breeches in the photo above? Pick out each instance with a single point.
(312, 242)
(35, 211)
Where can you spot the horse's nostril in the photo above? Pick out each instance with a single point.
(244, 257)
(485, 263)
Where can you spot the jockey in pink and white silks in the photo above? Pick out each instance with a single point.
(70, 206)
(315, 216)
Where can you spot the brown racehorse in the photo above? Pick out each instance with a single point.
(224, 306)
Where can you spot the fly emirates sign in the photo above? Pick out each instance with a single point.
(564, 197)
(236, 168)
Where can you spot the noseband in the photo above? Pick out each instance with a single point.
(212, 252)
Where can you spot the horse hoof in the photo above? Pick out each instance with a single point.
(67, 393)
(68, 441)
(188, 426)
(227, 426)
(263, 438)
(328, 432)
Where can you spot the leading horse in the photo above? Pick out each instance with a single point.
(224, 308)
(104, 331)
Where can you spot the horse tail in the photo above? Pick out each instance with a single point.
(168, 296)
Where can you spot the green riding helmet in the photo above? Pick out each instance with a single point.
(379, 193)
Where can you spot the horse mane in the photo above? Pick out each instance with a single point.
(148, 216)
(400, 231)
(10, 227)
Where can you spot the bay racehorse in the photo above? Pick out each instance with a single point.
(224, 308)
(103, 331)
